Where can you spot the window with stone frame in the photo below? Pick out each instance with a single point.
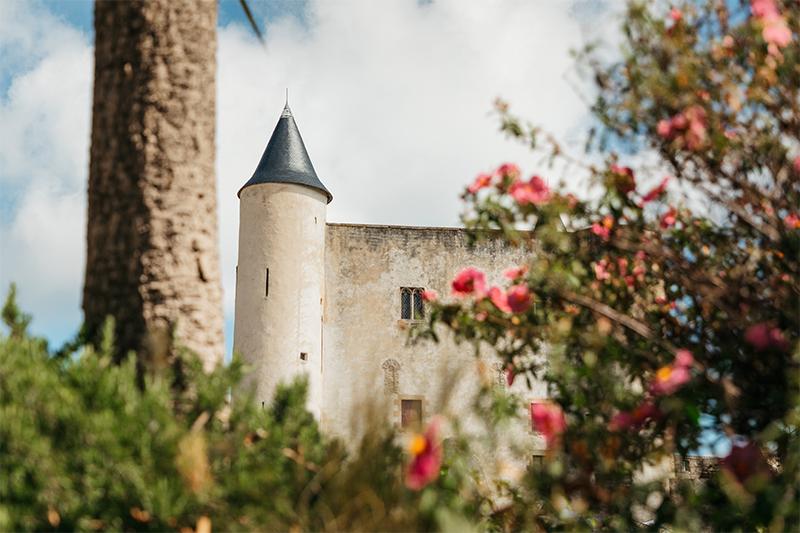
(412, 306)
(410, 412)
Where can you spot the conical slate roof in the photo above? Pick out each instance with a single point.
(285, 159)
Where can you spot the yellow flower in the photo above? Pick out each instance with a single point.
(664, 373)
(417, 444)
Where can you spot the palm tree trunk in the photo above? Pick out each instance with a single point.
(152, 246)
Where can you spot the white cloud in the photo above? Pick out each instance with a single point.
(393, 99)
(44, 140)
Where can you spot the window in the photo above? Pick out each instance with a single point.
(266, 284)
(410, 412)
(411, 304)
(304, 356)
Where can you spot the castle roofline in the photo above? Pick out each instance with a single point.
(285, 159)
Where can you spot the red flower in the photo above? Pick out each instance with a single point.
(792, 221)
(664, 128)
(675, 14)
(534, 191)
(634, 419)
(669, 379)
(655, 192)
(481, 181)
(796, 164)
(499, 299)
(469, 281)
(548, 419)
(516, 272)
(669, 218)
(765, 336)
(426, 457)
(519, 298)
(745, 461)
(430, 295)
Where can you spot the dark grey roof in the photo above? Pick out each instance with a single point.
(285, 159)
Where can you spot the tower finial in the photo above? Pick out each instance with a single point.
(287, 97)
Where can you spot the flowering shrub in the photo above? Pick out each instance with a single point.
(667, 304)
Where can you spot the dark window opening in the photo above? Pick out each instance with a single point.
(266, 284)
(410, 413)
(412, 307)
(303, 356)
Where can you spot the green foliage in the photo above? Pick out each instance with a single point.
(87, 444)
(16, 321)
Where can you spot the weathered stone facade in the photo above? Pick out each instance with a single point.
(366, 352)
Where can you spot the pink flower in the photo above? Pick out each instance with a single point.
(601, 231)
(481, 181)
(777, 32)
(430, 295)
(426, 457)
(764, 8)
(622, 264)
(499, 299)
(548, 419)
(669, 379)
(534, 191)
(792, 221)
(519, 298)
(696, 134)
(600, 271)
(656, 191)
(675, 14)
(515, 273)
(796, 164)
(765, 336)
(603, 228)
(745, 461)
(664, 128)
(469, 281)
(508, 170)
(669, 218)
(684, 358)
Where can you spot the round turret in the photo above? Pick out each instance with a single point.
(281, 270)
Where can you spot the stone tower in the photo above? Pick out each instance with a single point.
(280, 279)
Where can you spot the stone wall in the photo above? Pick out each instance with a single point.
(368, 366)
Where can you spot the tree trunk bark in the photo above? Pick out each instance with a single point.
(152, 245)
